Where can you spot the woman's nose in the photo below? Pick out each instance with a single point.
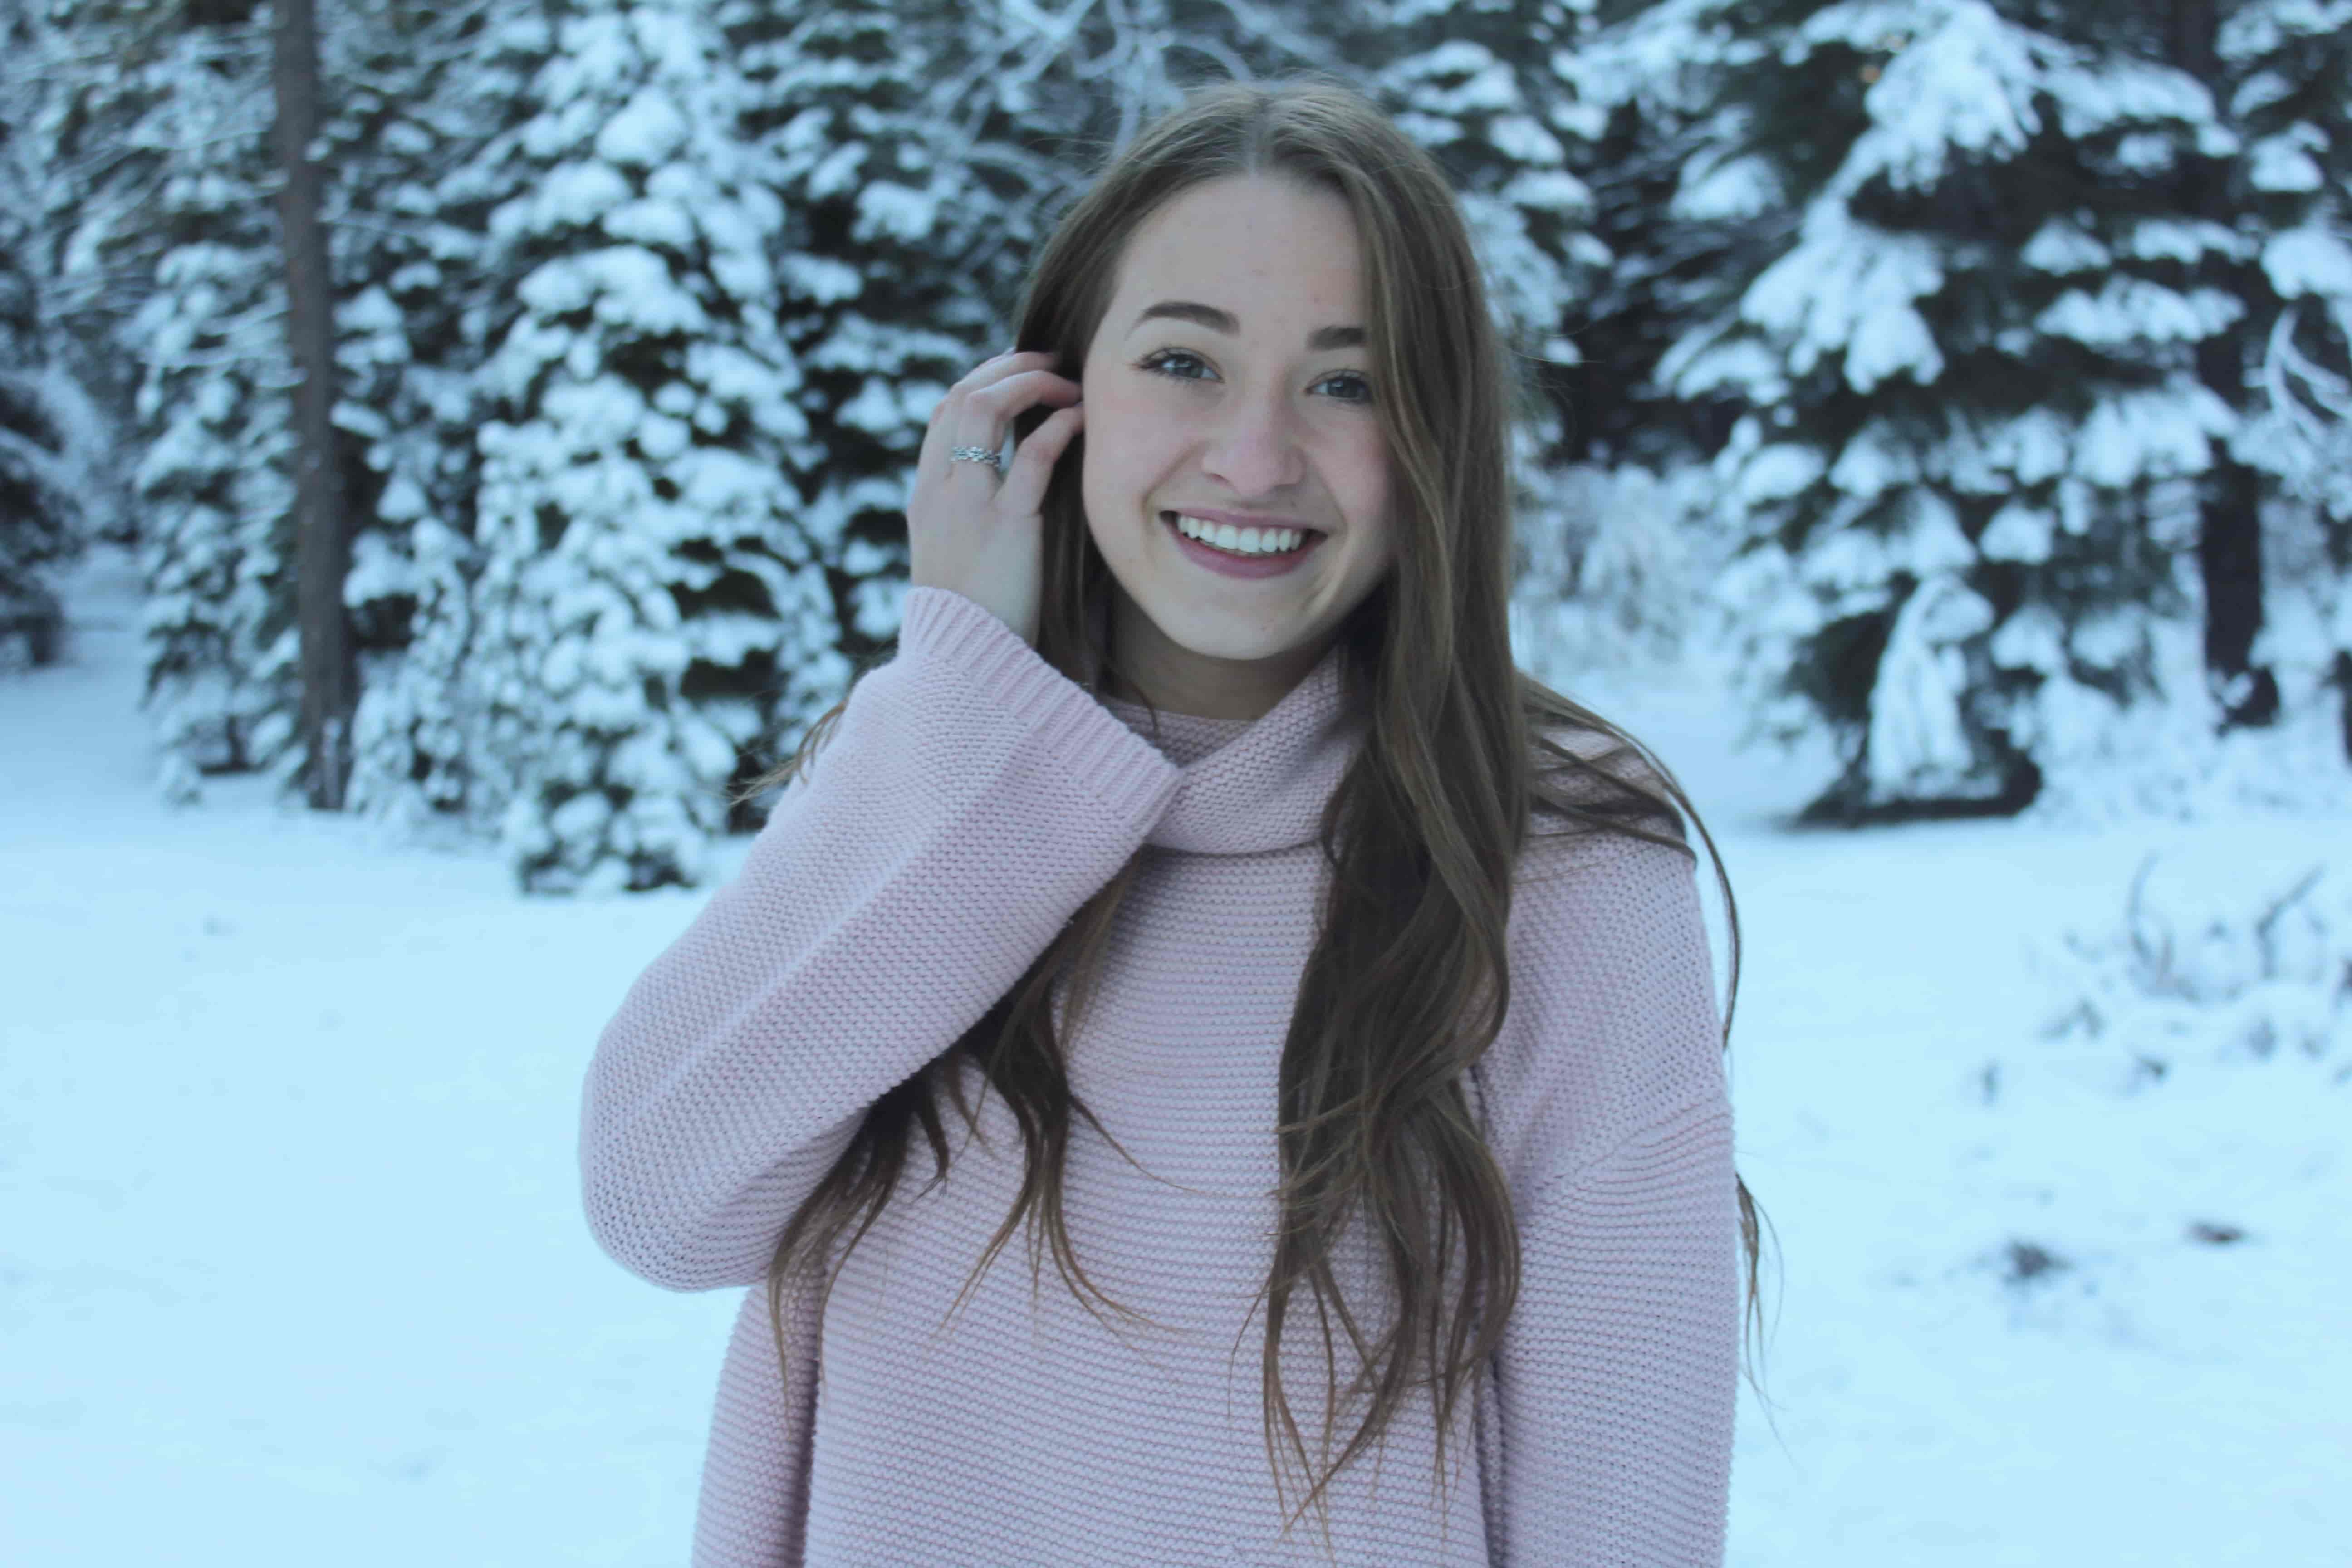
(1255, 448)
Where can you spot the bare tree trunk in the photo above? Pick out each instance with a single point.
(323, 554)
(2230, 537)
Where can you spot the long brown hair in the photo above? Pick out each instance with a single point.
(1408, 983)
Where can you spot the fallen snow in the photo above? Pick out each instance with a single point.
(295, 1272)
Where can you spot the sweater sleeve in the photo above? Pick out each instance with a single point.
(1616, 1376)
(970, 800)
(1616, 1380)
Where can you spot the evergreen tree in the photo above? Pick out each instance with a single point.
(1969, 429)
(1491, 90)
(41, 523)
(638, 517)
(1623, 578)
(1475, 85)
(426, 93)
(212, 476)
(77, 78)
(1673, 222)
(874, 307)
(2285, 64)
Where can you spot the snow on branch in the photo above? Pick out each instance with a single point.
(2304, 434)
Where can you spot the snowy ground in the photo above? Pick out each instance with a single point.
(293, 1269)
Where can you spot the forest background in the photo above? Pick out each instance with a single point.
(511, 407)
(444, 448)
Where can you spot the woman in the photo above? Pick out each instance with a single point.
(1198, 799)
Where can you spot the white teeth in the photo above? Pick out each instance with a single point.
(1240, 541)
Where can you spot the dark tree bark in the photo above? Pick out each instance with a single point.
(2229, 537)
(330, 674)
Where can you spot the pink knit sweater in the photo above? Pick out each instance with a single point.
(970, 800)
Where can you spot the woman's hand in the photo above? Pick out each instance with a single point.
(967, 529)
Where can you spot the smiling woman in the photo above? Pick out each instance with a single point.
(1204, 801)
(1229, 381)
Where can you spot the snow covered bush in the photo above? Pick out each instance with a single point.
(2214, 960)
(1611, 568)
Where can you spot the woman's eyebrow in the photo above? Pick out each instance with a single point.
(1218, 321)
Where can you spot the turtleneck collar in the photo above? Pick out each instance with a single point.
(1253, 784)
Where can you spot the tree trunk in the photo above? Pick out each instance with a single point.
(329, 675)
(2230, 537)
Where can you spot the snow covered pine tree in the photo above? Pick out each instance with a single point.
(215, 483)
(40, 519)
(1969, 429)
(421, 152)
(638, 516)
(2284, 65)
(877, 314)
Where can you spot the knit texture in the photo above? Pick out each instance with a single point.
(970, 800)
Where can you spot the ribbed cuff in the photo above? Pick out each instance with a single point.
(1122, 769)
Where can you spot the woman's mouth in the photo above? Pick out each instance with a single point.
(1241, 562)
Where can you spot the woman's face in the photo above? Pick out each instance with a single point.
(1230, 374)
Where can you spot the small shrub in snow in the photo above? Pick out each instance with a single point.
(1610, 567)
(2211, 963)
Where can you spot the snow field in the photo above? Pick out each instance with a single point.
(294, 1268)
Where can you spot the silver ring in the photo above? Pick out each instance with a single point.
(993, 458)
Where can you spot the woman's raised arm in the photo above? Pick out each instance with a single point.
(971, 799)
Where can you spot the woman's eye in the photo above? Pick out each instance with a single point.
(1165, 357)
(1174, 363)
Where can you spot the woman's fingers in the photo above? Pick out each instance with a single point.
(953, 412)
(1033, 461)
(985, 418)
(985, 540)
(988, 372)
(989, 413)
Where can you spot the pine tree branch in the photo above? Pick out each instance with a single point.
(1257, 22)
(48, 468)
